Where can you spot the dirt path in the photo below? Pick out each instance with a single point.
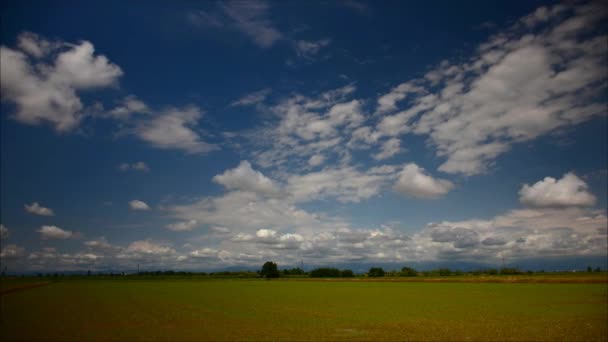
(24, 287)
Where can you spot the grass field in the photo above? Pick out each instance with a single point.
(226, 309)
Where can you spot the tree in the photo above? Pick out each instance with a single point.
(269, 270)
(375, 272)
(325, 272)
(408, 272)
(347, 273)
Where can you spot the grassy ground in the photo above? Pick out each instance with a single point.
(305, 310)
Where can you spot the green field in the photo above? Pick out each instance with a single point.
(181, 309)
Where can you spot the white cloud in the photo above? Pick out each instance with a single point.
(99, 244)
(138, 205)
(130, 104)
(139, 166)
(308, 126)
(545, 72)
(37, 209)
(243, 177)
(182, 226)
(252, 98)
(389, 148)
(47, 92)
(316, 160)
(174, 129)
(251, 18)
(54, 232)
(310, 49)
(3, 232)
(550, 192)
(387, 102)
(147, 247)
(345, 184)
(11, 252)
(414, 181)
(35, 45)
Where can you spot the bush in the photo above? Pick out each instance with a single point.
(444, 272)
(375, 272)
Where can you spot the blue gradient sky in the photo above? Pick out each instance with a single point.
(331, 132)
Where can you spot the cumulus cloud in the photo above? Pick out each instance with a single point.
(533, 78)
(182, 226)
(414, 181)
(308, 126)
(345, 184)
(3, 232)
(54, 232)
(37, 209)
(174, 129)
(138, 205)
(243, 177)
(11, 252)
(550, 192)
(45, 92)
(129, 105)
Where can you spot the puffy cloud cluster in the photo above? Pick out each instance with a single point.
(550, 192)
(414, 181)
(182, 226)
(174, 129)
(244, 178)
(54, 232)
(138, 205)
(37, 209)
(545, 72)
(48, 93)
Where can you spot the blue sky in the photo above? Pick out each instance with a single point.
(223, 134)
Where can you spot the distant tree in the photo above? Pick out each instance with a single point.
(509, 271)
(269, 270)
(597, 269)
(589, 269)
(347, 273)
(325, 272)
(408, 272)
(445, 272)
(492, 271)
(375, 272)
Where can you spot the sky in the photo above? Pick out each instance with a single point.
(219, 135)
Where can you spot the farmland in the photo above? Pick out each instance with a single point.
(294, 309)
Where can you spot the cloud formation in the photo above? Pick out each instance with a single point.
(48, 93)
(37, 209)
(138, 205)
(569, 191)
(175, 129)
(54, 232)
(543, 73)
(414, 181)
